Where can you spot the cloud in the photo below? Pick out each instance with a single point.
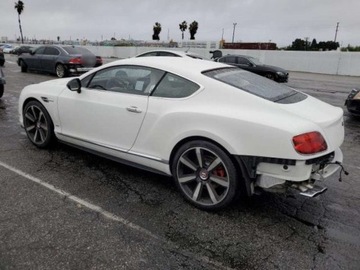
(280, 21)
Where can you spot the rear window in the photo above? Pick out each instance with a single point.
(256, 85)
(76, 50)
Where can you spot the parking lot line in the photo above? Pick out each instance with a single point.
(113, 217)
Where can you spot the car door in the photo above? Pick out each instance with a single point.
(110, 109)
(48, 60)
(33, 61)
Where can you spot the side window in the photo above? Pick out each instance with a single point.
(228, 59)
(148, 54)
(125, 79)
(51, 51)
(243, 61)
(40, 50)
(167, 54)
(173, 86)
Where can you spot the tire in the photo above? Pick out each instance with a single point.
(270, 76)
(38, 124)
(23, 66)
(1, 90)
(60, 71)
(205, 175)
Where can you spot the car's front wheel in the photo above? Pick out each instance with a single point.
(205, 175)
(61, 71)
(23, 66)
(270, 76)
(38, 124)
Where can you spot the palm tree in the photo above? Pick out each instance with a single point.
(183, 27)
(193, 29)
(19, 6)
(157, 30)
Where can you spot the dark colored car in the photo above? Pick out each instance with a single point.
(59, 60)
(254, 65)
(22, 49)
(2, 82)
(2, 58)
(352, 102)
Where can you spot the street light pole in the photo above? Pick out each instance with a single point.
(233, 32)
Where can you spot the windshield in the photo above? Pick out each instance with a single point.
(255, 84)
(255, 61)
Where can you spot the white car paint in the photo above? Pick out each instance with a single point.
(240, 122)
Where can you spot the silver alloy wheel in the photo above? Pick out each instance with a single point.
(60, 70)
(203, 176)
(36, 125)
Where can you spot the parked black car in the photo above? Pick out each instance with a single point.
(352, 102)
(2, 82)
(254, 65)
(22, 49)
(59, 60)
(2, 58)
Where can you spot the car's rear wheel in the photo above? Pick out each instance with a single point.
(38, 124)
(23, 66)
(205, 175)
(60, 71)
(1, 90)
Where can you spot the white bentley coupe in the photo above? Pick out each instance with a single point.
(218, 130)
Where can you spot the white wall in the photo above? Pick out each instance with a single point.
(332, 62)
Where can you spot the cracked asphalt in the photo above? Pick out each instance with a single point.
(63, 208)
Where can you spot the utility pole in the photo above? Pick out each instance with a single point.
(233, 32)
(337, 29)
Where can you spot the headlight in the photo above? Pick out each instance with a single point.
(280, 73)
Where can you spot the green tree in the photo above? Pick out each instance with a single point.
(19, 6)
(314, 45)
(193, 27)
(183, 26)
(157, 30)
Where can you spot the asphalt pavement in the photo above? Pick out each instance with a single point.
(62, 208)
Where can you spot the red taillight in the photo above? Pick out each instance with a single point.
(309, 143)
(76, 60)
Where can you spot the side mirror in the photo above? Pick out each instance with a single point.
(74, 85)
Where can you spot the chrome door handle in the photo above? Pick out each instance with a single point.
(133, 109)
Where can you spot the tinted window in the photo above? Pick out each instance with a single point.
(125, 79)
(40, 50)
(167, 54)
(172, 86)
(254, 84)
(51, 51)
(243, 61)
(228, 59)
(148, 54)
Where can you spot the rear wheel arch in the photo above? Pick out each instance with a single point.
(198, 138)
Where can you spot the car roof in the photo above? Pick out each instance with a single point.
(172, 64)
(179, 53)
